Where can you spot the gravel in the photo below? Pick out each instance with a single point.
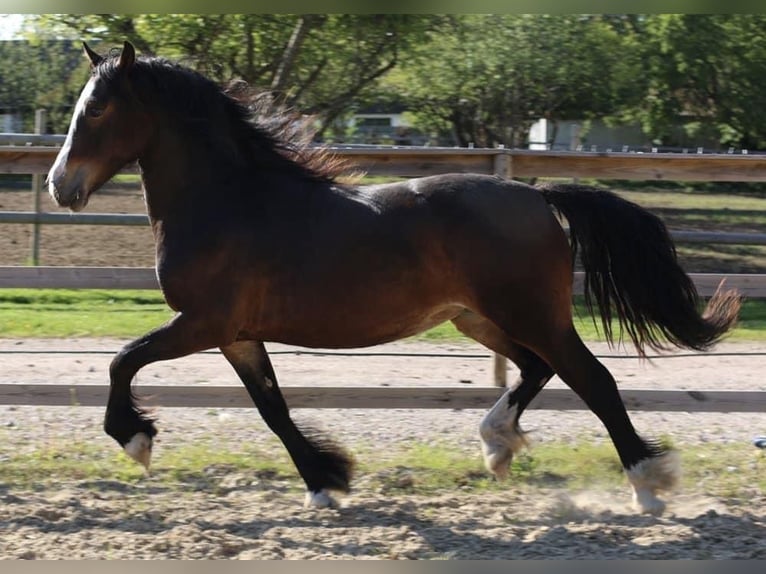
(243, 517)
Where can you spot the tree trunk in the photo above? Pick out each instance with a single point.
(300, 32)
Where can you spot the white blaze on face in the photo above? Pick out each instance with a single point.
(63, 154)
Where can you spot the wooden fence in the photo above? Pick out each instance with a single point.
(433, 397)
(410, 162)
(416, 162)
(752, 285)
(406, 162)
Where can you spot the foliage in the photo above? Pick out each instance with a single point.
(687, 79)
(318, 63)
(705, 76)
(42, 74)
(487, 78)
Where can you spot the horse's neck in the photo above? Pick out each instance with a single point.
(180, 175)
(173, 171)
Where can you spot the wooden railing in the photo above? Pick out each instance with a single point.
(416, 162)
(412, 162)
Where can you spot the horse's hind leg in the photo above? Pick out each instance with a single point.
(323, 466)
(501, 434)
(649, 467)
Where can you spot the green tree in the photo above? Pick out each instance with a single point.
(318, 63)
(487, 78)
(43, 74)
(685, 78)
(706, 75)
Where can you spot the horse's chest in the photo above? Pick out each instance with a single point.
(195, 271)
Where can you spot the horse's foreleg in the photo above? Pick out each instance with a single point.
(127, 423)
(323, 466)
(500, 431)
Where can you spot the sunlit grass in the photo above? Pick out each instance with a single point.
(31, 313)
(696, 201)
(728, 471)
(750, 327)
(50, 313)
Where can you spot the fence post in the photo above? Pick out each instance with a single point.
(503, 166)
(37, 189)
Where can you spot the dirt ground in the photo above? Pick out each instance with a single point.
(238, 516)
(79, 245)
(235, 515)
(244, 520)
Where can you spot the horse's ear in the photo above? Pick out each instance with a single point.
(94, 58)
(127, 57)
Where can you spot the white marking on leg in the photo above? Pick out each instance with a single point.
(320, 499)
(139, 448)
(501, 437)
(653, 475)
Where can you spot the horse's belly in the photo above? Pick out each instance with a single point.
(344, 329)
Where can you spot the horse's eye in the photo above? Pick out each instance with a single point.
(94, 111)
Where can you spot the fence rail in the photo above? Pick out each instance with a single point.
(414, 162)
(136, 219)
(405, 161)
(749, 284)
(409, 162)
(35, 139)
(379, 398)
(47, 218)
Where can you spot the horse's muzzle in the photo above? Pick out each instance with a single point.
(67, 188)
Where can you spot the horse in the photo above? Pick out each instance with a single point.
(260, 239)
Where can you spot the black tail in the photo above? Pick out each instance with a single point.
(631, 272)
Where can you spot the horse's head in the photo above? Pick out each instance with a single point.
(108, 130)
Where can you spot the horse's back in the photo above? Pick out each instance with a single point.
(499, 205)
(476, 213)
(480, 233)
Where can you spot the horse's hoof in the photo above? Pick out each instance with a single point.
(646, 503)
(501, 437)
(320, 499)
(139, 448)
(497, 459)
(652, 475)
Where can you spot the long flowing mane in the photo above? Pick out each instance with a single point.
(245, 127)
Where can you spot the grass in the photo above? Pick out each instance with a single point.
(694, 202)
(50, 313)
(76, 461)
(732, 472)
(80, 313)
(750, 327)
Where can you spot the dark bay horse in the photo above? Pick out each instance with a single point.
(257, 239)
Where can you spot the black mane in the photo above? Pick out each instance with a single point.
(247, 129)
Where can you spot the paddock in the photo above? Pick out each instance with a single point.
(714, 400)
(231, 513)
